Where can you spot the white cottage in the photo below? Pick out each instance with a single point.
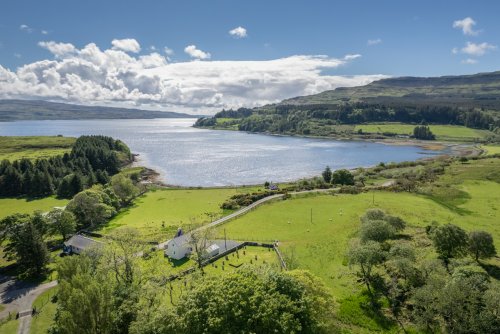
(178, 247)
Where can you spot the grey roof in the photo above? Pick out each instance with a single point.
(81, 242)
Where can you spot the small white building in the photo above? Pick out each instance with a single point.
(78, 243)
(178, 247)
(211, 251)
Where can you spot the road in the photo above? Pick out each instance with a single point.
(18, 296)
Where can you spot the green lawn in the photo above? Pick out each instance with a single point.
(9, 327)
(10, 206)
(442, 132)
(158, 213)
(46, 310)
(34, 147)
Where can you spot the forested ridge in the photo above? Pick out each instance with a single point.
(93, 159)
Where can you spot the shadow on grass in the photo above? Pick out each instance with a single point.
(491, 269)
(178, 263)
(358, 310)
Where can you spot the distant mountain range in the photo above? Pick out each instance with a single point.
(17, 110)
(478, 90)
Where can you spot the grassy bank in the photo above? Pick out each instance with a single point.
(34, 147)
(9, 206)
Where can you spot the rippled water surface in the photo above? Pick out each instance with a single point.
(194, 157)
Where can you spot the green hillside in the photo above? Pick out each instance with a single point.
(457, 102)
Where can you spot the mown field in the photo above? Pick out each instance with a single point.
(9, 206)
(34, 147)
(158, 213)
(442, 132)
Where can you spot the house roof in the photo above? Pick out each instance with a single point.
(211, 248)
(81, 242)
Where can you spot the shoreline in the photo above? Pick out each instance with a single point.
(152, 177)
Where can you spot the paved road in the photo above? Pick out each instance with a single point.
(18, 296)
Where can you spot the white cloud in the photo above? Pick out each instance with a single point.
(44, 32)
(455, 51)
(193, 52)
(168, 51)
(93, 76)
(469, 61)
(17, 55)
(127, 45)
(351, 57)
(238, 32)
(374, 41)
(466, 25)
(58, 49)
(26, 28)
(477, 50)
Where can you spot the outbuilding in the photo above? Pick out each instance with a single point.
(78, 243)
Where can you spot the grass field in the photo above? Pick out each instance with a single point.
(320, 245)
(442, 132)
(10, 206)
(34, 147)
(46, 310)
(491, 149)
(158, 213)
(9, 327)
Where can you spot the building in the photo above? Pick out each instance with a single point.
(78, 243)
(211, 251)
(178, 247)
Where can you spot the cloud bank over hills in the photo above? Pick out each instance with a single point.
(120, 76)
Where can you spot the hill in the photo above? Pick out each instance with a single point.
(471, 101)
(479, 90)
(17, 110)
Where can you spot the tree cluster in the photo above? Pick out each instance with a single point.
(338, 177)
(423, 132)
(453, 296)
(93, 159)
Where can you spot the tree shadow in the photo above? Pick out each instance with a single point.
(491, 269)
(178, 263)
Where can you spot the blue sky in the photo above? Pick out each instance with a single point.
(407, 38)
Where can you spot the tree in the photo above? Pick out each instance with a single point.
(366, 256)
(327, 174)
(91, 208)
(481, 245)
(375, 230)
(26, 245)
(61, 222)
(246, 301)
(450, 241)
(423, 132)
(124, 188)
(343, 177)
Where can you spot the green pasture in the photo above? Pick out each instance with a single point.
(34, 147)
(442, 132)
(158, 213)
(491, 149)
(9, 206)
(46, 311)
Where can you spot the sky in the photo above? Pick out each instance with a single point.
(202, 56)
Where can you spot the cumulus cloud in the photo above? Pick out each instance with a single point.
(113, 77)
(469, 61)
(127, 45)
(466, 25)
(238, 32)
(193, 52)
(26, 28)
(58, 49)
(479, 49)
(168, 51)
(374, 41)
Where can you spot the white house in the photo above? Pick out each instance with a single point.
(78, 243)
(178, 247)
